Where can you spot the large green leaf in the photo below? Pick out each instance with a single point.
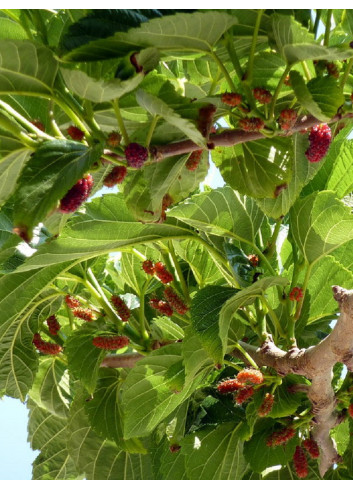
(10, 168)
(168, 465)
(163, 328)
(320, 223)
(215, 453)
(341, 178)
(222, 212)
(191, 32)
(197, 361)
(205, 308)
(320, 96)
(48, 176)
(26, 68)
(51, 390)
(97, 458)
(259, 169)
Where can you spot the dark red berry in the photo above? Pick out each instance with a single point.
(312, 448)
(120, 307)
(332, 70)
(53, 325)
(148, 267)
(39, 125)
(320, 140)
(194, 160)
(114, 139)
(110, 342)
(117, 175)
(280, 437)
(229, 385)
(75, 133)
(161, 306)
(262, 95)
(175, 301)
(254, 260)
(72, 302)
(243, 394)
(266, 406)
(287, 81)
(287, 119)
(76, 195)
(296, 294)
(83, 313)
(44, 346)
(300, 463)
(232, 99)
(136, 155)
(250, 375)
(253, 124)
(350, 410)
(162, 273)
(174, 448)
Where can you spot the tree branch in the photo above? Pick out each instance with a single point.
(316, 363)
(121, 361)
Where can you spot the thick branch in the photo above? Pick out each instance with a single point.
(121, 361)
(316, 363)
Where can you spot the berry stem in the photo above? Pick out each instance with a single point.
(249, 71)
(273, 317)
(271, 247)
(306, 70)
(246, 355)
(16, 131)
(224, 71)
(328, 27)
(120, 121)
(54, 126)
(277, 92)
(151, 130)
(317, 22)
(346, 73)
(179, 272)
(233, 365)
(144, 333)
(71, 114)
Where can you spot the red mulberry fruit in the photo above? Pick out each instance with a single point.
(320, 140)
(332, 70)
(174, 300)
(117, 175)
(165, 308)
(254, 260)
(350, 410)
(162, 273)
(250, 375)
(232, 99)
(45, 346)
(312, 448)
(243, 394)
(39, 125)
(110, 342)
(287, 119)
(253, 124)
(174, 448)
(76, 195)
(229, 385)
(72, 302)
(300, 463)
(266, 406)
(114, 139)
(296, 294)
(194, 160)
(148, 267)
(84, 314)
(262, 95)
(121, 308)
(75, 133)
(280, 437)
(53, 325)
(136, 155)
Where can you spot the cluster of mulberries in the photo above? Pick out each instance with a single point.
(262, 95)
(114, 139)
(252, 124)
(120, 307)
(287, 119)
(53, 325)
(175, 301)
(161, 306)
(266, 406)
(76, 195)
(136, 155)
(300, 463)
(110, 342)
(45, 346)
(280, 437)
(72, 302)
(157, 269)
(229, 385)
(83, 313)
(232, 99)
(75, 133)
(319, 142)
(312, 448)
(243, 394)
(250, 375)
(254, 260)
(117, 175)
(350, 410)
(296, 294)
(194, 160)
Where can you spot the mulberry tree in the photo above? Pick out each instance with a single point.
(163, 328)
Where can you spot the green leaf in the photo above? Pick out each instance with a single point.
(320, 223)
(47, 433)
(50, 389)
(259, 455)
(106, 399)
(222, 212)
(197, 362)
(320, 96)
(98, 90)
(84, 358)
(10, 168)
(163, 328)
(267, 70)
(153, 389)
(215, 453)
(286, 403)
(340, 180)
(240, 264)
(11, 30)
(157, 107)
(169, 466)
(341, 434)
(48, 176)
(26, 68)
(205, 308)
(100, 459)
(194, 32)
(259, 169)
